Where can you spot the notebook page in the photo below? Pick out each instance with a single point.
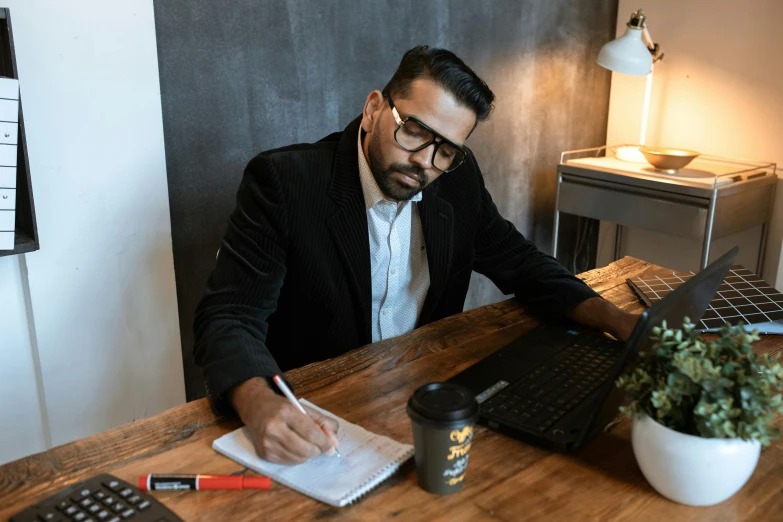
(367, 459)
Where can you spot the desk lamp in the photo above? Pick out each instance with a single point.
(633, 53)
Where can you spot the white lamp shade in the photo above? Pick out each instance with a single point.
(627, 54)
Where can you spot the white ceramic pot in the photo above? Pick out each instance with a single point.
(692, 470)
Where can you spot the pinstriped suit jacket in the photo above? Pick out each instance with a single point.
(292, 281)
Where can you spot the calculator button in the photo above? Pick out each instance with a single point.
(119, 507)
(144, 505)
(71, 510)
(135, 499)
(109, 501)
(99, 495)
(113, 485)
(95, 508)
(76, 497)
(79, 517)
(63, 505)
(128, 513)
(49, 516)
(103, 515)
(126, 492)
(114, 519)
(85, 502)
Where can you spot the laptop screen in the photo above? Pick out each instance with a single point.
(689, 300)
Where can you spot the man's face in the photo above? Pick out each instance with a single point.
(401, 174)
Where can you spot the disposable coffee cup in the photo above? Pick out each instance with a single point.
(443, 416)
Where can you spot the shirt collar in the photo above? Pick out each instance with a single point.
(372, 192)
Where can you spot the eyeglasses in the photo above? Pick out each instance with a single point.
(413, 136)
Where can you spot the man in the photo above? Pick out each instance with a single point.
(363, 236)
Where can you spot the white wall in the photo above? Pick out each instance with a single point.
(22, 421)
(103, 313)
(718, 90)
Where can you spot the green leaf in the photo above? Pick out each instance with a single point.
(716, 388)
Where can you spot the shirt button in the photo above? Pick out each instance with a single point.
(385, 312)
(393, 271)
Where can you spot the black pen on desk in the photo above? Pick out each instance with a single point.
(290, 396)
(641, 295)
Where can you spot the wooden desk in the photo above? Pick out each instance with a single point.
(507, 480)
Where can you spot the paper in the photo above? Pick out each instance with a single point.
(367, 460)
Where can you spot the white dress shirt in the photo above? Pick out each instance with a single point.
(398, 258)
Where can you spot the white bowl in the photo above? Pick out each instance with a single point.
(692, 470)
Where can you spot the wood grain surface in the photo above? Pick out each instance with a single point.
(507, 480)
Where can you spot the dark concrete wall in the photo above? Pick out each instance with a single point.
(241, 76)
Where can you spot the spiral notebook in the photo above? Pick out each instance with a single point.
(367, 460)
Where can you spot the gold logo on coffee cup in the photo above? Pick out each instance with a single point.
(461, 435)
(463, 438)
(457, 480)
(458, 451)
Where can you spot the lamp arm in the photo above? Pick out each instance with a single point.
(639, 21)
(654, 48)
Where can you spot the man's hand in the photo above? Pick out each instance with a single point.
(602, 315)
(279, 431)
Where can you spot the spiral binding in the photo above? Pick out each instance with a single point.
(378, 479)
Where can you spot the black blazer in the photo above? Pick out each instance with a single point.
(292, 280)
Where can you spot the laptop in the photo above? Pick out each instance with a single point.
(555, 386)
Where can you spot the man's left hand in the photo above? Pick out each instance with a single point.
(602, 315)
(624, 325)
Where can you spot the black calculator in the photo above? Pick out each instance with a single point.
(103, 498)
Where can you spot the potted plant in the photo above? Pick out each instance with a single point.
(701, 411)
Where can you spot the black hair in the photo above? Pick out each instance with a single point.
(448, 71)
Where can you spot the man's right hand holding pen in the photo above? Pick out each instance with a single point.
(279, 431)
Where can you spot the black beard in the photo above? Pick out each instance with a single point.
(392, 188)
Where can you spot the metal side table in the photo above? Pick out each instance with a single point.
(711, 198)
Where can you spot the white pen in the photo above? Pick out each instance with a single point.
(290, 396)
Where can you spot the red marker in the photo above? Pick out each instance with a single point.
(201, 482)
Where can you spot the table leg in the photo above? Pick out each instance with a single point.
(762, 250)
(705, 250)
(556, 227)
(765, 233)
(618, 242)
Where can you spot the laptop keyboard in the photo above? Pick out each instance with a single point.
(555, 387)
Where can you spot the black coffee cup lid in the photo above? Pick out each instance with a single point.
(444, 402)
